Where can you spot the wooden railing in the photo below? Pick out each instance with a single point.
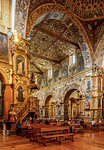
(31, 105)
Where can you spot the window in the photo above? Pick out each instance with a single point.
(73, 58)
(50, 73)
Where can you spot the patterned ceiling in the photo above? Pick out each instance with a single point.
(82, 8)
(50, 42)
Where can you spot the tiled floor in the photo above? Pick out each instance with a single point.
(86, 141)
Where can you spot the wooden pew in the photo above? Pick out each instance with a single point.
(57, 134)
(77, 128)
(24, 130)
(36, 132)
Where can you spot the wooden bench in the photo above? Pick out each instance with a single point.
(36, 131)
(55, 134)
(79, 130)
(24, 130)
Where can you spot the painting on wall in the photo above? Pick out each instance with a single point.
(80, 62)
(65, 70)
(87, 103)
(3, 47)
(74, 111)
(55, 75)
(20, 97)
(88, 84)
(20, 65)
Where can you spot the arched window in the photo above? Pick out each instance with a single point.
(50, 73)
(73, 58)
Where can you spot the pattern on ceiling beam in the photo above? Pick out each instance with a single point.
(57, 36)
(45, 58)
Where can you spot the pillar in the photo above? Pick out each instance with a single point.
(8, 100)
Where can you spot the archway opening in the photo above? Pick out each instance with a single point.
(50, 108)
(73, 107)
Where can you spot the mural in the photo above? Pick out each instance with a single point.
(3, 47)
(20, 65)
(80, 62)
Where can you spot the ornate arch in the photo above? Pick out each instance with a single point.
(5, 77)
(47, 95)
(70, 87)
(85, 44)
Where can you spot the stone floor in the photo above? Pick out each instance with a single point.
(86, 141)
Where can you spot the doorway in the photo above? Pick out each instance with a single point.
(72, 105)
(50, 108)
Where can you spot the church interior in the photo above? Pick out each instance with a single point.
(52, 74)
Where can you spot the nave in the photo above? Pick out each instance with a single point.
(86, 141)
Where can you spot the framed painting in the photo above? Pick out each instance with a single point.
(88, 84)
(87, 103)
(3, 47)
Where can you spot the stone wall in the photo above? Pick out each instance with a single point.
(91, 94)
(59, 90)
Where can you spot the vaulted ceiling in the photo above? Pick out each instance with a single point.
(58, 27)
(52, 41)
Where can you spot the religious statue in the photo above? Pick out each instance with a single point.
(20, 97)
(20, 65)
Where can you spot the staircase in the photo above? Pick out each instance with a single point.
(29, 106)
